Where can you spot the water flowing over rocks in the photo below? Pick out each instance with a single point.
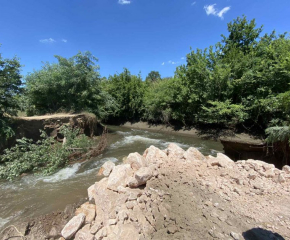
(177, 194)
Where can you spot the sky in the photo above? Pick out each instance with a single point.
(141, 35)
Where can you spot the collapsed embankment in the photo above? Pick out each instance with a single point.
(29, 127)
(177, 194)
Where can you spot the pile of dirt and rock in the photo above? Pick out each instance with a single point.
(177, 194)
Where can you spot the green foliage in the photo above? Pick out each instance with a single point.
(244, 79)
(72, 84)
(10, 86)
(223, 113)
(45, 156)
(127, 91)
(153, 76)
(278, 134)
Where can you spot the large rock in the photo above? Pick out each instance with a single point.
(141, 177)
(73, 226)
(118, 176)
(154, 155)
(106, 169)
(89, 210)
(286, 169)
(174, 151)
(222, 161)
(192, 154)
(136, 161)
(105, 201)
(91, 192)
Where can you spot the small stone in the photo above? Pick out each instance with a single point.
(96, 227)
(130, 204)
(235, 236)
(112, 221)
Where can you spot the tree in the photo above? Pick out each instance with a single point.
(153, 76)
(10, 86)
(72, 84)
(128, 91)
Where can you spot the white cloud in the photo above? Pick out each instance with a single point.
(182, 58)
(64, 40)
(47, 40)
(123, 2)
(223, 11)
(163, 63)
(211, 10)
(193, 3)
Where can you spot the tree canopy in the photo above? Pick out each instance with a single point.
(10, 87)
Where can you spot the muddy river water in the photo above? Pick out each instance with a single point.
(33, 196)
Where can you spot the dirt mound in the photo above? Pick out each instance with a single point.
(177, 194)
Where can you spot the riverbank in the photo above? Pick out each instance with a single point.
(224, 135)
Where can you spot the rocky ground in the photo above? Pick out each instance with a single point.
(177, 194)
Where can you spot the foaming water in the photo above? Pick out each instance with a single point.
(63, 174)
(131, 139)
(35, 195)
(3, 221)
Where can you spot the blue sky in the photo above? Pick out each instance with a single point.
(142, 35)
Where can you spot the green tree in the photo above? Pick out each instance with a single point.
(10, 86)
(72, 84)
(153, 76)
(127, 91)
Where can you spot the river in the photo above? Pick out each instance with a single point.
(32, 196)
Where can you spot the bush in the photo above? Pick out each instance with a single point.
(45, 156)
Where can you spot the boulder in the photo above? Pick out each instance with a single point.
(140, 177)
(222, 161)
(73, 226)
(154, 155)
(174, 151)
(91, 192)
(286, 169)
(143, 175)
(105, 200)
(136, 161)
(192, 154)
(118, 176)
(89, 210)
(106, 169)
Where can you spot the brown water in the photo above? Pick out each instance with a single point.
(33, 196)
